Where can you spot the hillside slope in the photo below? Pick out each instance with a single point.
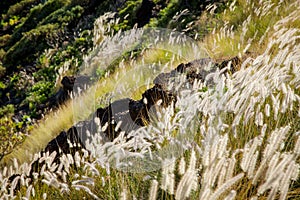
(40, 42)
(202, 126)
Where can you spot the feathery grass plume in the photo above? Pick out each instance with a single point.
(44, 196)
(291, 174)
(231, 195)
(102, 27)
(231, 166)
(85, 180)
(77, 159)
(16, 165)
(250, 154)
(153, 190)
(213, 158)
(278, 178)
(90, 167)
(86, 189)
(123, 194)
(189, 180)
(229, 183)
(222, 174)
(274, 142)
(181, 167)
(168, 177)
(296, 150)
(28, 191)
(276, 169)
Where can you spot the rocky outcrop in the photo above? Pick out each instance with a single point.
(128, 114)
(71, 85)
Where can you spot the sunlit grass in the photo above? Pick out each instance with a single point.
(241, 136)
(248, 27)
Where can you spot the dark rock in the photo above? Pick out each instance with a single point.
(234, 62)
(65, 143)
(68, 83)
(60, 97)
(11, 179)
(197, 69)
(138, 112)
(194, 66)
(156, 93)
(130, 113)
(145, 13)
(82, 82)
(163, 80)
(201, 68)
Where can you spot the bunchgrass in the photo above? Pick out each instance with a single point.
(237, 139)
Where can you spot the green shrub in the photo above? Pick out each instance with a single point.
(129, 11)
(16, 13)
(4, 40)
(2, 54)
(9, 135)
(173, 8)
(80, 2)
(37, 95)
(21, 9)
(25, 51)
(63, 15)
(7, 110)
(46, 73)
(4, 5)
(37, 14)
(2, 85)
(165, 14)
(40, 92)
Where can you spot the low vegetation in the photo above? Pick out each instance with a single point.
(234, 136)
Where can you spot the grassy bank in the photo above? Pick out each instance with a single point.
(238, 139)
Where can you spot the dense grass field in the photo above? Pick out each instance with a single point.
(233, 136)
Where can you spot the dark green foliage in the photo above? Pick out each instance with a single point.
(128, 11)
(39, 93)
(5, 4)
(7, 110)
(4, 40)
(165, 16)
(46, 71)
(49, 32)
(21, 9)
(9, 135)
(36, 14)
(15, 15)
(33, 42)
(83, 3)
(63, 16)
